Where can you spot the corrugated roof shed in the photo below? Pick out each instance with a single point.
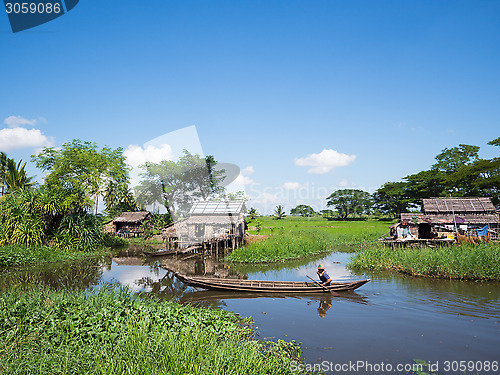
(457, 205)
(218, 208)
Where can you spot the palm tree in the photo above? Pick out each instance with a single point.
(279, 213)
(13, 176)
(253, 213)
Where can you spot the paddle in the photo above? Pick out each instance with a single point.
(324, 287)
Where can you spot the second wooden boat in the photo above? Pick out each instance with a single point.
(267, 286)
(159, 253)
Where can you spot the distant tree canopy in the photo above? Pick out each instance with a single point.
(350, 202)
(458, 172)
(302, 210)
(177, 184)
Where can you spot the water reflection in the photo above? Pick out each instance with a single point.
(324, 302)
(71, 275)
(324, 305)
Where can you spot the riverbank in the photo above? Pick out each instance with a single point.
(464, 262)
(44, 331)
(294, 238)
(17, 255)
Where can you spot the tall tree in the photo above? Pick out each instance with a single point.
(450, 160)
(177, 184)
(84, 170)
(392, 198)
(350, 202)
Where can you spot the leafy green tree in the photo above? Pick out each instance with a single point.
(392, 198)
(425, 184)
(236, 196)
(120, 202)
(279, 212)
(302, 210)
(350, 202)
(84, 170)
(177, 184)
(329, 214)
(450, 160)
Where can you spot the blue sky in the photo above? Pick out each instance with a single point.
(305, 96)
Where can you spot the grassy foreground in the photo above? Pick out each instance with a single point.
(111, 332)
(467, 262)
(294, 238)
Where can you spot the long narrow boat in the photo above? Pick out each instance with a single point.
(266, 286)
(159, 253)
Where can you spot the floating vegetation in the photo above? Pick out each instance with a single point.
(110, 331)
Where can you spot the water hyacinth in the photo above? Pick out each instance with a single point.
(113, 332)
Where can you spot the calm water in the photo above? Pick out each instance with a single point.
(390, 321)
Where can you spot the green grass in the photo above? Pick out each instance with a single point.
(466, 262)
(280, 247)
(111, 332)
(296, 238)
(343, 232)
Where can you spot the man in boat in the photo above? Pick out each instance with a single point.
(324, 277)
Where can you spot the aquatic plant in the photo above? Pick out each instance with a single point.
(112, 332)
(296, 238)
(468, 262)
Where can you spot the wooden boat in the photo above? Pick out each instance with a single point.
(159, 253)
(266, 286)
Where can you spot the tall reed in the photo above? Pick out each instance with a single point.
(468, 262)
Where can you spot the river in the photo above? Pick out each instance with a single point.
(387, 326)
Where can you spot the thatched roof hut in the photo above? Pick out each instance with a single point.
(453, 214)
(131, 221)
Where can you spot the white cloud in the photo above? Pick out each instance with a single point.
(266, 198)
(325, 161)
(292, 186)
(14, 138)
(17, 121)
(136, 155)
(244, 180)
(248, 170)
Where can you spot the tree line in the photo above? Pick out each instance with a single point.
(80, 178)
(457, 172)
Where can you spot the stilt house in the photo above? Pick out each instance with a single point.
(445, 217)
(209, 222)
(130, 223)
